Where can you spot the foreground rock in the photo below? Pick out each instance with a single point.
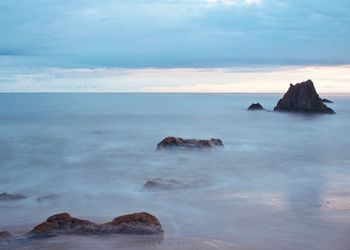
(177, 142)
(324, 100)
(64, 223)
(169, 184)
(256, 106)
(8, 197)
(302, 97)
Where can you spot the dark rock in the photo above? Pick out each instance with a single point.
(8, 197)
(138, 223)
(302, 97)
(256, 106)
(324, 100)
(177, 142)
(169, 184)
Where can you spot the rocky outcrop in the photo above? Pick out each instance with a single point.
(324, 100)
(302, 97)
(256, 106)
(177, 142)
(169, 184)
(64, 223)
(8, 197)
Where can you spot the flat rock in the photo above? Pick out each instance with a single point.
(302, 97)
(64, 223)
(177, 142)
(169, 184)
(7, 197)
(256, 106)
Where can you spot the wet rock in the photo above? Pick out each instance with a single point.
(8, 197)
(302, 97)
(64, 223)
(324, 100)
(256, 106)
(137, 223)
(177, 142)
(169, 184)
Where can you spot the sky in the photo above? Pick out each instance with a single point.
(173, 45)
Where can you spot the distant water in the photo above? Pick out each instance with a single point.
(282, 181)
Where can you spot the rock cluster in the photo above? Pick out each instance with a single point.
(64, 223)
(177, 142)
(302, 97)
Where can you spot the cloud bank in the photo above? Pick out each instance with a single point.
(174, 33)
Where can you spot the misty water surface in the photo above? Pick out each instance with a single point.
(282, 181)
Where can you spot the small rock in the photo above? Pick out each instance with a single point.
(169, 184)
(8, 197)
(256, 106)
(324, 100)
(302, 97)
(177, 142)
(5, 237)
(47, 197)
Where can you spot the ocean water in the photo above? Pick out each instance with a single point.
(282, 181)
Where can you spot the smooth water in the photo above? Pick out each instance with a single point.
(282, 181)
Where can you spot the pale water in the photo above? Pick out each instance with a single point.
(282, 181)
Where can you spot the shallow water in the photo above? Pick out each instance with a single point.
(282, 181)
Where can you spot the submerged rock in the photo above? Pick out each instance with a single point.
(177, 142)
(64, 223)
(256, 106)
(169, 184)
(5, 237)
(302, 97)
(7, 197)
(324, 100)
(48, 197)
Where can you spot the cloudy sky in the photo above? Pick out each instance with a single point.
(173, 45)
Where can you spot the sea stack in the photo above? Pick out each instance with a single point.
(302, 97)
(255, 106)
(177, 142)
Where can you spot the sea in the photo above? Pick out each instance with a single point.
(281, 181)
